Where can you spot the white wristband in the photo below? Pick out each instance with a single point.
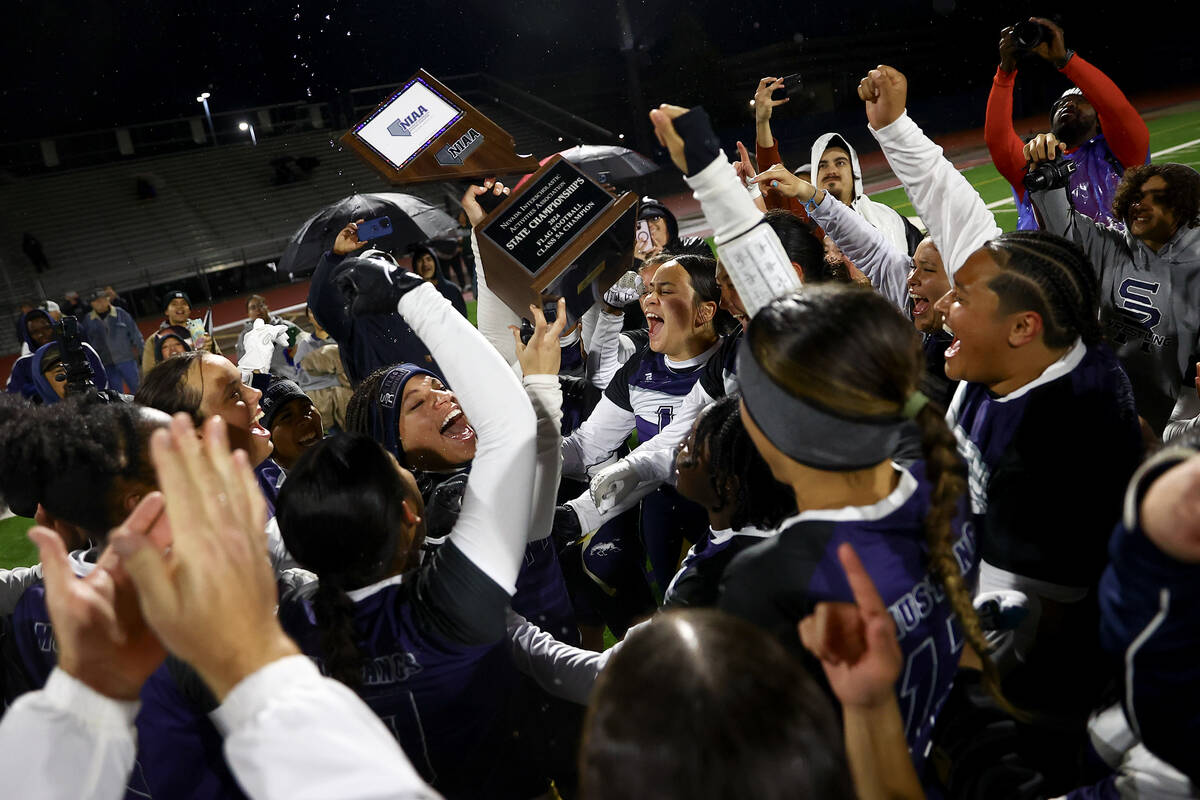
(759, 266)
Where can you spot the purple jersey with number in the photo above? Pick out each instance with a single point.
(779, 581)
(1093, 185)
(652, 389)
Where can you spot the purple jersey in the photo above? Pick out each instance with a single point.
(720, 373)
(1150, 631)
(652, 390)
(697, 583)
(779, 581)
(270, 477)
(542, 596)
(437, 672)
(1093, 185)
(1048, 464)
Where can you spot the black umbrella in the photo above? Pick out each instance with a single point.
(413, 220)
(609, 163)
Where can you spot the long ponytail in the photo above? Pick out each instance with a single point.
(340, 650)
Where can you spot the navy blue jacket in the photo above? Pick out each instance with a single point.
(365, 343)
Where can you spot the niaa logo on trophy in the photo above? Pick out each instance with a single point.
(403, 126)
(456, 151)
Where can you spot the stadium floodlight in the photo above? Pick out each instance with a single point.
(202, 98)
(246, 126)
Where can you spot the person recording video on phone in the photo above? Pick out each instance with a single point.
(664, 235)
(833, 167)
(1101, 129)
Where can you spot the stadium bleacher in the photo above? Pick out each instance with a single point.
(213, 207)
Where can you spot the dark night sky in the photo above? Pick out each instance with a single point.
(93, 63)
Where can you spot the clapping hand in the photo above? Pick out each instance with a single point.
(210, 596)
(103, 640)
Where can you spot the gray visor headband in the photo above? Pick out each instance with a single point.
(807, 434)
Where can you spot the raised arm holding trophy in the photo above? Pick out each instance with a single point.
(559, 234)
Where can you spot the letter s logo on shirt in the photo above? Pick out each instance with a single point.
(1136, 300)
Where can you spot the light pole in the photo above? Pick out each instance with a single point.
(246, 126)
(202, 98)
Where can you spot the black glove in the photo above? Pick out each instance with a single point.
(372, 285)
(566, 529)
(573, 387)
(444, 506)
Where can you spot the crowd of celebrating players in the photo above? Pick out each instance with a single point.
(913, 510)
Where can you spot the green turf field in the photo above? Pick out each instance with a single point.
(15, 548)
(1173, 137)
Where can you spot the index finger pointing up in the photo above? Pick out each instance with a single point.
(865, 594)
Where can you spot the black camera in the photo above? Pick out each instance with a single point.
(80, 377)
(1029, 34)
(1049, 175)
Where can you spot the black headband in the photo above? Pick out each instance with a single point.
(810, 435)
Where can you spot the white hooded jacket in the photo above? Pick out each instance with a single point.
(885, 218)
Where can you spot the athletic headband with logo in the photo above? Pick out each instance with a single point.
(813, 436)
(385, 413)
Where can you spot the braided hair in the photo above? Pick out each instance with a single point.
(851, 352)
(1051, 276)
(340, 516)
(75, 459)
(366, 395)
(737, 472)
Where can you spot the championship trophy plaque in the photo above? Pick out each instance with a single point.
(559, 234)
(425, 132)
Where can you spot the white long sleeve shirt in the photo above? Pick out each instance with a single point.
(953, 212)
(748, 247)
(546, 397)
(493, 526)
(289, 734)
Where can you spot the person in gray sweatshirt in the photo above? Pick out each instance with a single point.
(1149, 276)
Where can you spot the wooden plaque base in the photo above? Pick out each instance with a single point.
(472, 146)
(580, 272)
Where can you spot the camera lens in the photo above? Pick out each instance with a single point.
(1028, 34)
